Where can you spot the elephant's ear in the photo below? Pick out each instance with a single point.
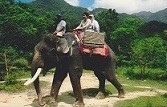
(62, 45)
(47, 39)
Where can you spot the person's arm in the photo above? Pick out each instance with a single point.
(88, 23)
(97, 27)
(78, 26)
(59, 30)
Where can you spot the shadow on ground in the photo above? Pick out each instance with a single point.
(68, 96)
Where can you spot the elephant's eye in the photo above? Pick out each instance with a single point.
(58, 41)
(43, 51)
(52, 50)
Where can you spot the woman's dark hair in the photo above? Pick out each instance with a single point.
(86, 13)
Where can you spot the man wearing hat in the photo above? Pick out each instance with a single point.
(94, 24)
(61, 26)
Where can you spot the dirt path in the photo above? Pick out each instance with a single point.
(88, 81)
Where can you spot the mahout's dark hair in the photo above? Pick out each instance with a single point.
(86, 13)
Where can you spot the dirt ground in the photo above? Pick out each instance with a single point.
(65, 98)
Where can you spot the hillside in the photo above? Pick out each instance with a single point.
(54, 7)
(160, 16)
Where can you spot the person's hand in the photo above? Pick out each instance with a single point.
(55, 33)
(75, 29)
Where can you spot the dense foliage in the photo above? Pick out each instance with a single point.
(71, 14)
(19, 25)
(135, 43)
(150, 52)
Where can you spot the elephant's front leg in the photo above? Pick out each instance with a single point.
(75, 75)
(37, 62)
(59, 76)
(37, 88)
(38, 91)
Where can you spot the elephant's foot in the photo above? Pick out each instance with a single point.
(78, 104)
(41, 104)
(100, 95)
(52, 103)
(121, 94)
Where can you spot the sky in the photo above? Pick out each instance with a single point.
(121, 6)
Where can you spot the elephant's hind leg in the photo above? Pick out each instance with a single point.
(111, 77)
(118, 86)
(102, 93)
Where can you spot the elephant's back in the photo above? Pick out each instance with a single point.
(69, 36)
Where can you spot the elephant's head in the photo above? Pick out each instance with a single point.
(47, 53)
(45, 57)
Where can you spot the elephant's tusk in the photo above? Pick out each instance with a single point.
(71, 51)
(30, 81)
(70, 47)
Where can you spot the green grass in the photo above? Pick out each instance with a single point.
(13, 83)
(18, 86)
(155, 101)
(124, 79)
(135, 73)
(130, 85)
(147, 83)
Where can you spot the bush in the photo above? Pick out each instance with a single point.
(21, 62)
(10, 79)
(2, 73)
(134, 73)
(149, 52)
(21, 73)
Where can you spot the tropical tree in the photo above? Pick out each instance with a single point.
(123, 36)
(107, 20)
(152, 28)
(149, 52)
(19, 25)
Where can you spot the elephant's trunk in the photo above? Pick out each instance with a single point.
(30, 81)
(36, 63)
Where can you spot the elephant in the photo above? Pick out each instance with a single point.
(63, 52)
